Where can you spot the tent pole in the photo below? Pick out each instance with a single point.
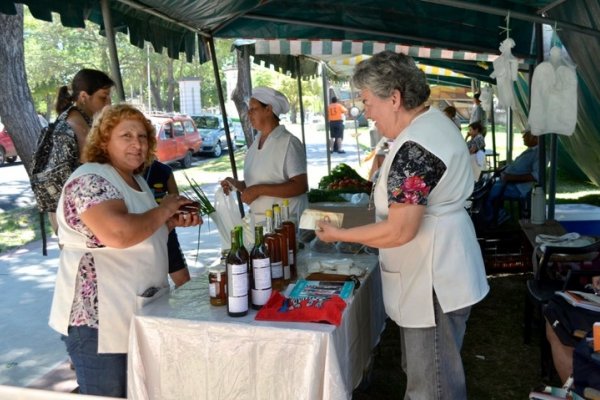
(213, 53)
(112, 49)
(300, 101)
(509, 136)
(326, 114)
(539, 43)
(552, 180)
(493, 123)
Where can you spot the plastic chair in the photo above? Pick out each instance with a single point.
(579, 262)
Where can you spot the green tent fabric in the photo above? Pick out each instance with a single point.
(459, 25)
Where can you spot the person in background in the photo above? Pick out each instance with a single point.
(451, 113)
(336, 113)
(477, 112)
(90, 92)
(515, 180)
(476, 146)
(431, 264)
(563, 323)
(275, 164)
(114, 254)
(161, 180)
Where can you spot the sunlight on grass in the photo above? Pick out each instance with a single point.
(19, 227)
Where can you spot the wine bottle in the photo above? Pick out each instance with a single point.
(273, 243)
(260, 284)
(290, 228)
(245, 255)
(237, 278)
(285, 243)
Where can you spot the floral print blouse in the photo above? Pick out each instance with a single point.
(414, 173)
(80, 194)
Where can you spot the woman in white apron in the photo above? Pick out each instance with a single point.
(275, 164)
(114, 255)
(431, 266)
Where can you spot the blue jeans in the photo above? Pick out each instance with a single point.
(498, 192)
(431, 357)
(102, 374)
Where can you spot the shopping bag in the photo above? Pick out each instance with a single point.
(226, 216)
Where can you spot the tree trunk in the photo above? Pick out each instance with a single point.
(16, 104)
(170, 86)
(241, 94)
(155, 90)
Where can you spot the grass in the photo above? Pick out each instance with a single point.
(21, 226)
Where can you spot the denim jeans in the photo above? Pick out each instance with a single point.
(498, 190)
(431, 357)
(102, 374)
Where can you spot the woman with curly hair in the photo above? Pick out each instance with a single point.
(114, 254)
(432, 270)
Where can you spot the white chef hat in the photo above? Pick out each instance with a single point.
(277, 100)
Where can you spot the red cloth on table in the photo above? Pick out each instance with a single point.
(330, 311)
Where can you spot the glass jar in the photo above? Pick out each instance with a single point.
(217, 285)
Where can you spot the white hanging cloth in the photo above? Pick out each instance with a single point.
(553, 96)
(506, 68)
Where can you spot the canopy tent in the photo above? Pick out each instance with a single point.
(475, 26)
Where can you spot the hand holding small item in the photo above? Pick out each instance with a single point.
(326, 231)
(229, 184)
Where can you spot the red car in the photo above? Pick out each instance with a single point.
(177, 138)
(7, 148)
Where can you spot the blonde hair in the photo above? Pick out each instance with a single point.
(95, 149)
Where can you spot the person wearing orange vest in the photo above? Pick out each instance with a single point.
(336, 113)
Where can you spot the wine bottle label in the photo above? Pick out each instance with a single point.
(260, 297)
(237, 304)
(237, 280)
(261, 273)
(212, 290)
(277, 270)
(287, 272)
(291, 257)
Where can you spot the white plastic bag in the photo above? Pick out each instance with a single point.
(226, 216)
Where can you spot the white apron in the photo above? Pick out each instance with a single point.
(444, 255)
(267, 166)
(122, 274)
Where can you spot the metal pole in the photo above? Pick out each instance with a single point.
(326, 114)
(149, 82)
(213, 53)
(355, 125)
(300, 101)
(552, 183)
(509, 136)
(112, 49)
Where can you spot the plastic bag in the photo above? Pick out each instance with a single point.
(226, 216)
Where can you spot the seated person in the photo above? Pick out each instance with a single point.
(476, 146)
(515, 180)
(566, 327)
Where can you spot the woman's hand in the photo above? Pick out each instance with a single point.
(250, 194)
(172, 203)
(228, 184)
(184, 219)
(327, 232)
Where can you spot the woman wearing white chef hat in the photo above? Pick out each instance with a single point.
(275, 164)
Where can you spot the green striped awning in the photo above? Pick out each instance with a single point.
(352, 47)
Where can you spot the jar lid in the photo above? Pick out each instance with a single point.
(216, 269)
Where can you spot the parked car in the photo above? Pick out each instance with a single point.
(177, 138)
(212, 130)
(7, 148)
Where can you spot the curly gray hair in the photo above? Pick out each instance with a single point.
(387, 71)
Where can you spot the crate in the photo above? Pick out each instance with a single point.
(504, 255)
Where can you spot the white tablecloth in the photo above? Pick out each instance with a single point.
(181, 347)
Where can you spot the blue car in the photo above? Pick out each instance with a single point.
(212, 130)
